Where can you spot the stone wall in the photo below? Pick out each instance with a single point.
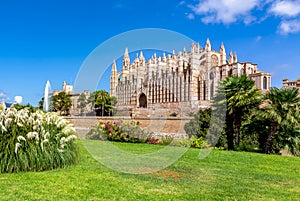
(161, 125)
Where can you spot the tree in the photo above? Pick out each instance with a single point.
(281, 115)
(241, 97)
(199, 126)
(41, 103)
(101, 101)
(30, 108)
(61, 103)
(114, 102)
(82, 102)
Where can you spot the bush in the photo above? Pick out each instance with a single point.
(120, 131)
(182, 142)
(198, 127)
(199, 143)
(35, 141)
(165, 140)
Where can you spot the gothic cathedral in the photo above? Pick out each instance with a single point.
(188, 79)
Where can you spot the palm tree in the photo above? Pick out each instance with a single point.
(61, 103)
(241, 97)
(81, 103)
(281, 110)
(101, 101)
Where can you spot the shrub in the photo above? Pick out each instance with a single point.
(152, 140)
(199, 126)
(35, 141)
(165, 140)
(187, 142)
(120, 131)
(199, 143)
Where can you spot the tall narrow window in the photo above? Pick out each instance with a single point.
(212, 89)
(199, 89)
(265, 82)
(204, 90)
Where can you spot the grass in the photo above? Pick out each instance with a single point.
(223, 175)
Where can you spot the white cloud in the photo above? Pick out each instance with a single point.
(190, 16)
(287, 27)
(3, 96)
(258, 38)
(285, 8)
(18, 99)
(232, 11)
(225, 11)
(181, 3)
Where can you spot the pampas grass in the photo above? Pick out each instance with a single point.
(35, 141)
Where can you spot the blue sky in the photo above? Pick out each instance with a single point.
(49, 40)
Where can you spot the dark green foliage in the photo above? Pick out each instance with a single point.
(30, 108)
(239, 96)
(199, 126)
(102, 102)
(280, 116)
(41, 104)
(82, 103)
(61, 103)
(253, 132)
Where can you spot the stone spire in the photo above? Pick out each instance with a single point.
(126, 59)
(141, 55)
(230, 57)
(137, 61)
(142, 58)
(223, 54)
(164, 58)
(235, 58)
(126, 54)
(114, 68)
(113, 79)
(193, 47)
(207, 45)
(198, 47)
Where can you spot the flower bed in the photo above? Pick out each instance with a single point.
(130, 131)
(35, 141)
(121, 131)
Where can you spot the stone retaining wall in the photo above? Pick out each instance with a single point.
(163, 125)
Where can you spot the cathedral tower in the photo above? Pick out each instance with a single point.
(113, 79)
(223, 55)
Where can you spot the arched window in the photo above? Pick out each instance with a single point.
(265, 80)
(199, 89)
(212, 89)
(143, 101)
(211, 75)
(204, 90)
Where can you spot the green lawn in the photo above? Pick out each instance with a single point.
(223, 175)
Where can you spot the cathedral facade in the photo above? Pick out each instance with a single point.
(188, 79)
